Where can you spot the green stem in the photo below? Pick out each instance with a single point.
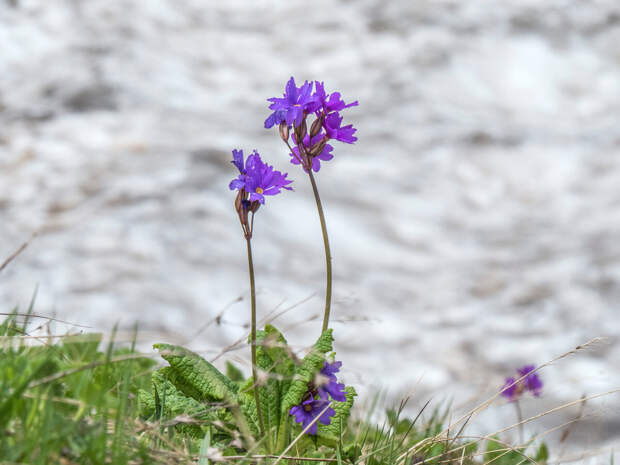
(328, 256)
(253, 336)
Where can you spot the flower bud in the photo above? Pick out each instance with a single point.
(301, 131)
(317, 124)
(317, 148)
(241, 205)
(284, 131)
(254, 206)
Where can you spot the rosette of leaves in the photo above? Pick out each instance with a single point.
(191, 395)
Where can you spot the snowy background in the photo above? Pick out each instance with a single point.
(475, 226)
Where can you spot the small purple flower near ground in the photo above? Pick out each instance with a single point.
(532, 383)
(332, 387)
(324, 386)
(257, 178)
(330, 369)
(309, 410)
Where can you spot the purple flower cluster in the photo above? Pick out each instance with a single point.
(531, 383)
(317, 399)
(258, 179)
(310, 148)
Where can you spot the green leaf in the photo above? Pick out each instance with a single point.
(269, 392)
(542, 454)
(175, 378)
(498, 454)
(493, 450)
(332, 432)
(245, 398)
(306, 371)
(198, 375)
(283, 357)
(204, 449)
(233, 373)
(174, 405)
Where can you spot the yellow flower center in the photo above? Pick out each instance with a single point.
(259, 190)
(308, 408)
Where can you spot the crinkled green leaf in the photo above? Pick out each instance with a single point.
(233, 373)
(339, 421)
(269, 386)
(197, 374)
(305, 372)
(283, 357)
(146, 403)
(179, 382)
(245, 398)
(173, 404)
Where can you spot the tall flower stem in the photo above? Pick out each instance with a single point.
(520, 420)
(253, 334)
(328, 256)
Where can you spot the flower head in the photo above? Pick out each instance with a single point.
(532, 381)
(309, 410)
(293, 106)
(258, 179)
(513, 390)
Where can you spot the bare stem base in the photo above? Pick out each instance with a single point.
(253, 337)
(328, 256)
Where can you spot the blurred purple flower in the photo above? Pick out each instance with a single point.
(309, 410)
(532, 383)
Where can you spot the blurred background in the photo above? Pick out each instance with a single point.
(474, 225)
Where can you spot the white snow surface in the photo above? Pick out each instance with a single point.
(475, 225)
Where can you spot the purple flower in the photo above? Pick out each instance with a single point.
(333, 389)
(509, 389)
(325, 154)
(257, 178)
(531, 383)
(330, 369)
(331, 386)
(309, 410)
(334, 130)
(291, 107)
(333, 103)
(238, 160)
